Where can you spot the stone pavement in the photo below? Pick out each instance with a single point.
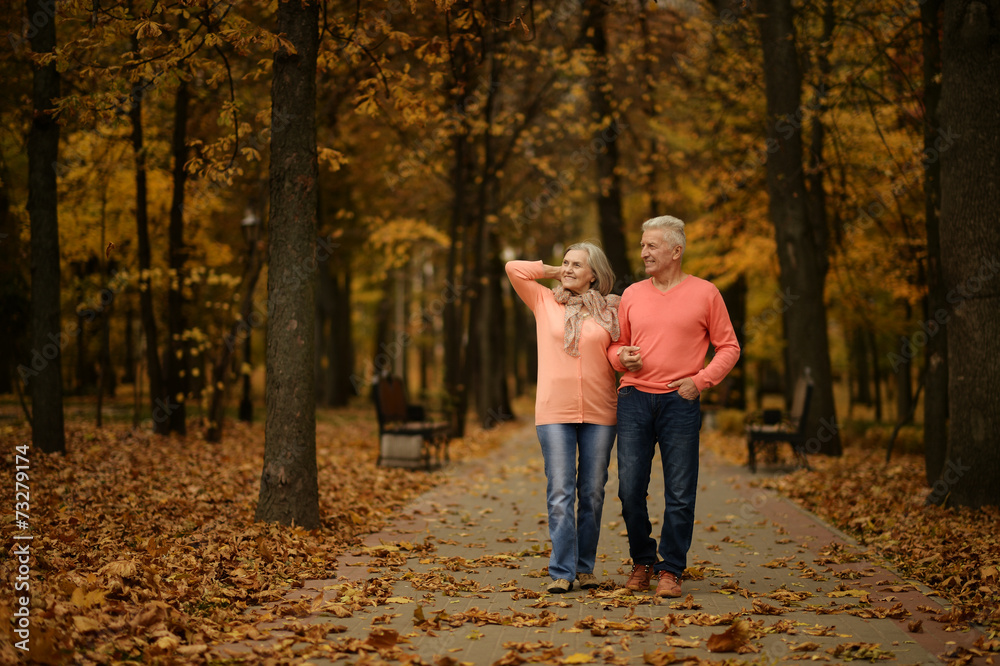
(459, 578)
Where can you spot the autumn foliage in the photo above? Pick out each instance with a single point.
(146, 547)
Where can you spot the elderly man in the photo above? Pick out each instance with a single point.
(667, 323)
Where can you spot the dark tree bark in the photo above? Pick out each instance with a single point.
(798, 234)
(732, 391)
(970, 236)
(386, 356)
(333, 341)
(454, 315)
(289, 493)
(238, 334)
(902, 370)
(128, 374)
(936, 351)
(605, 140)
(176, 361)
(341, 342)
(14, 293)
(161, 406)
(862, 367)
(488, 322)
(876, 373)
(45, 384)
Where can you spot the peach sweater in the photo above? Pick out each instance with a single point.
(672, 330)
(570, 389)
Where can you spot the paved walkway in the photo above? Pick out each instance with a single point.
(459, 578)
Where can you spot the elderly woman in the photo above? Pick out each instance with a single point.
(576, 402)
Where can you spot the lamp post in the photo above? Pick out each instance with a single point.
(251, 226)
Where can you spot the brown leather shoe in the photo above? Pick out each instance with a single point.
(669, 585)
(640, 578)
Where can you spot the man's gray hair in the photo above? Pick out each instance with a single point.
(672, 228)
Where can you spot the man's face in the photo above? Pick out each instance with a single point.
(658, 253)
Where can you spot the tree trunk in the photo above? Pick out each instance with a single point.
(649, 76)
(14, 292)
(385, 355)
(902, 370)
(456, 384)
(492, 398)
(239, 332)
(161, 405)
(341, 352)
(128, 374)
(862, 394)
(289, 493)
(936, 351)
(177, 354)
(970, 236)
(45, 383)
(876, 373)
(324, 348)
(605, 143)
(333, 342)
(801, 258)
(732, 390)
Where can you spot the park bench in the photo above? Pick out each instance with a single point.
(771, 426)
(406, 437)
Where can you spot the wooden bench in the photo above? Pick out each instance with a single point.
(772, 426)
(406, 437)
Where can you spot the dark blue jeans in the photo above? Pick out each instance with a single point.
(645, 419)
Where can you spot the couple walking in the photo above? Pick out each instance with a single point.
(657, 334)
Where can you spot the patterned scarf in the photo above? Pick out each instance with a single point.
(604, 310)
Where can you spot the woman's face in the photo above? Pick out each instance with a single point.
(576, 272)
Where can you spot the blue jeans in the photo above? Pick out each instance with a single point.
(643, 420)
(574, 534)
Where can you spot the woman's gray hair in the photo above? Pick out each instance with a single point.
(599, 263)
(672, 228)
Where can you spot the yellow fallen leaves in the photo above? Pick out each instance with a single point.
(85, 599)
(151, 549)
(442, 620)
(85, 624)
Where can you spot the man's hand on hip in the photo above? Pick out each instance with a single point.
(686, 388)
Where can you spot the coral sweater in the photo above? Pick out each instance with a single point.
(570, 389)
(672, 330)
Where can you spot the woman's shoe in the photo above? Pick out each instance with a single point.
(587, 581)
(560, 585)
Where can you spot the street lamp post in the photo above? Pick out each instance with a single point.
(251, 226)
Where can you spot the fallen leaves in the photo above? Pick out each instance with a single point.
(147, 547)
(860, 651)
(956, 552)
(734, 639)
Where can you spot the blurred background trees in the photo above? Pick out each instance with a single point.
(801, 142)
